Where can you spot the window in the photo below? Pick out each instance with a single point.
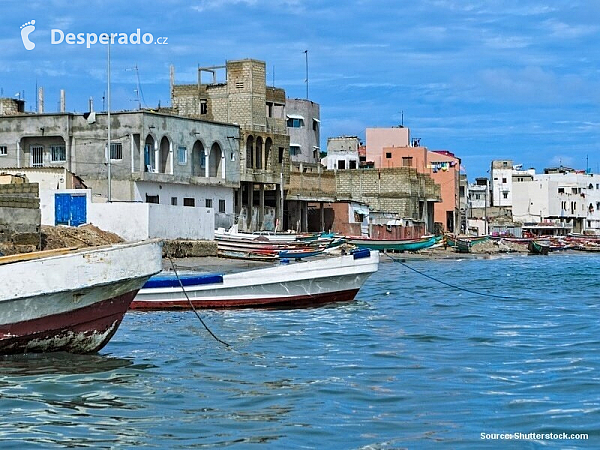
(295, 122)
(116, 150)
(574, 190)
(181, 155)
(152, 199)
(315, 125)
(561, 190)
(208, 203)
(505, 194)
(280, 159)
(58, 153)
(341, 164)
(388, 155)
(504, 180)
(563, 205)
(295, 150)
(504, 164)
(174, 201)
(3, 150)
(352, 164)
(37, 156)
(203, 107)
(221, 206)
(188, 201)
(202, 160)
(407, 161)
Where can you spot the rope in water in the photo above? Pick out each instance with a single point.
(445, 283)
(194, 309)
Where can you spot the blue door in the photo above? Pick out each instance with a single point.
(70, 209)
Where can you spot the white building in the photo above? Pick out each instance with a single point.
(342, 153)
(567, 199)
(501, 182)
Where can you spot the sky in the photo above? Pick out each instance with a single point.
(485, 80)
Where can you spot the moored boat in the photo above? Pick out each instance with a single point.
(538, 247)
(71, 300)
(401, 245)
(308, 283)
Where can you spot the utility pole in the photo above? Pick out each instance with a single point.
(108, 118)
(306, 56)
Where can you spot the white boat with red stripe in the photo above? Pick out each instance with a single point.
(71, 300)
(295, 284)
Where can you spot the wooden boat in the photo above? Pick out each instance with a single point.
(452, 240)
(264, 236)
(71, 300)
(306, 283)
(463, 245)
(402, 245)
(538, 247)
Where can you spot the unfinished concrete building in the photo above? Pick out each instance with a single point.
(238, 93)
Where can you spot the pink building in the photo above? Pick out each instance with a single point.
(378, 138)
(392, 148)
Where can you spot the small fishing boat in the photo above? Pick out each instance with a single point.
(71, 300)
(463, 245)
(402, 245)
(538, 247)
(294, 284)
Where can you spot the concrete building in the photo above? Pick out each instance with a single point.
(402, 191)
(342, 153)
(501, 182)
(154, 158)
(378, 138)
(442, 166)
(558, 202)
(303, 122)
(238, 93)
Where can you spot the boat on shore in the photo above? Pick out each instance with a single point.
(294, 284)
(402, 245)
(71, 300)
(539, 247)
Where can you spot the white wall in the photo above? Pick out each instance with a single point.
(138, 221)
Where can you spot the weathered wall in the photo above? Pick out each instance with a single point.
(20, 216)
(398, 190)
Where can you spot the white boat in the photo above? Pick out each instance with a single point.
(309, 283)
(232, 234)
(71, 300)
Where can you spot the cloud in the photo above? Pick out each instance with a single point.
(562, 30)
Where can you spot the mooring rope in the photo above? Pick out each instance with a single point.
(194, 309)
(445, 283)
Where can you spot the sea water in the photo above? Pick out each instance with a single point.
(474, 353)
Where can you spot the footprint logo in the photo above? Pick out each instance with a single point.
(26, 29)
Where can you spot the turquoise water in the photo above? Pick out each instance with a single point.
(411, 363)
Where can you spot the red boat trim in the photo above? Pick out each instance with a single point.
(275, 302)
(83, 330)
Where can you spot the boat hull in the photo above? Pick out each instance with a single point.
(300, 284)
(73, 302)
(410, 245)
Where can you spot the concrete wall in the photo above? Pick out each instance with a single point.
(399, 190)
(137, 221)
(20, 216)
